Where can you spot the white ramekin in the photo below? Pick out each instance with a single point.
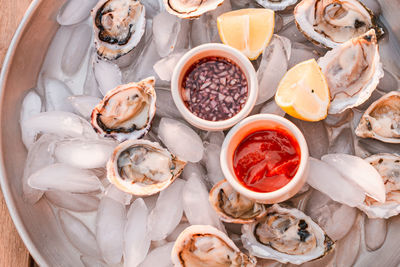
(257, 123)
(207, 50)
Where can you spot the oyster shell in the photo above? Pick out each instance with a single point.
(143, 168)
(332, 22)
(382, 119)
(276, 5)
(126, 112)
(187, 9)
(204, 245)
(286, 235)
(388, 166)
(352, 71)
(118, 27)
(233, 207)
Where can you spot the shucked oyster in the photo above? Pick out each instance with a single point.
(142, 168)
(126, 112)
(204, 245)
(233, 207)
(382, 119)
(332, 22)
(286, 235)
(388, 166)
(352, 71)
(276, 5)
(118, 26)
(190, 8)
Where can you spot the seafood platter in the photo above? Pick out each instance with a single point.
(204, 133)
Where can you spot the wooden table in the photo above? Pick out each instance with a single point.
(13, 252)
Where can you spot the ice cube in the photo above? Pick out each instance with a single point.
(211, 161)
(74, 11)
(57, 94)
(160, 257)
(215, 137)
(143, 68)
(272, 108)
(63, 177)
(120, 196)
(358, 171)
(316, 136)
(204, 29)
(347, 249)
(373, 5)
(136, 236)
(177, 231)
(300, 53)
(196, 205)
(92, 262)
(166, 28)
(181, 140)
(83, 104)
(108, 75)
(85, 154)
(389, 82)
(165, 66)
(343, 142)
(273, 66)
(153, 7)
(329, 181)
(110, 224)
(165, 105)
(60, 123)
(291, 31)
(76, 48)
(335, 218)
(91, 87)
(375, 233)
(31, 106)
(38, 157)
(193, 168)
(168, 211)
(78, 234)
(72, 201)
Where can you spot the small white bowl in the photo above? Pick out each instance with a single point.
(258, 123)
(219, 50)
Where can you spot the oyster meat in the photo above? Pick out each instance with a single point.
(332, 22)
(276, 5)
(126, 112)
(381, 120)
(286, 235)
(118, 27)
(233, 207)
(204, 245)
(190, 8)
(388, 166)
(143, 168)
(352, 71)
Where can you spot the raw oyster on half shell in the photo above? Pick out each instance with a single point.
(352, 71)
(233, 207)
(143, 168)
(382, 119)
(126, 112)
(204, 245)
(388, 166)
(286, 235)
(118, 27)
(333, 22)
(187, 9)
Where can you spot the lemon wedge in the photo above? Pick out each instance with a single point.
(248, 30)
(303, 92)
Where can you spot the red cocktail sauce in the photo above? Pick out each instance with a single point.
(266, 160)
